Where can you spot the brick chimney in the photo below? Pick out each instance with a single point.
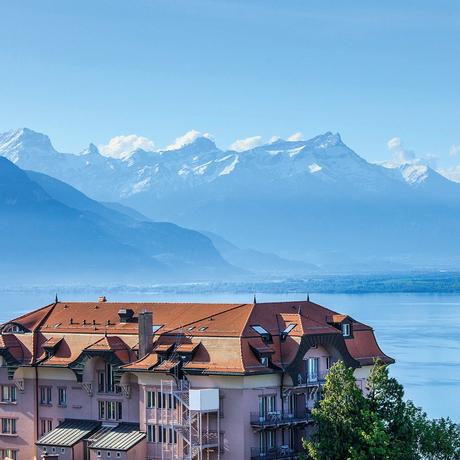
(145, 333)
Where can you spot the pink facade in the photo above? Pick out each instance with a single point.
(101, 380)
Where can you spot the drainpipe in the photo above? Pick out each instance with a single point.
(37, 422)
(282, 376)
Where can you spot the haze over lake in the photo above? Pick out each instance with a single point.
(421, 331)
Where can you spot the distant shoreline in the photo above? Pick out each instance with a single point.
(419, 282)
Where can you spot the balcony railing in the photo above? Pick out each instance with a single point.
(273, 453)
(272, 419)
(311, 379)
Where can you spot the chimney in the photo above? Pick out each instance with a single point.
(145, 333)
(102, 298)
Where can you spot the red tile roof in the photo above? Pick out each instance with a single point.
(224, 330)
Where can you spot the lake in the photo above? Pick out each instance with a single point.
(421, 331)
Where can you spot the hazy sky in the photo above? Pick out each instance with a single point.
(371, 70)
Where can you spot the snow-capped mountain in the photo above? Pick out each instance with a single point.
(314, 200)
(50, 231)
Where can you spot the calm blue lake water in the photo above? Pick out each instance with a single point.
(421, 331)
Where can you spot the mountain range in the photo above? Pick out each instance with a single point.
(315, 201)
(51, 232)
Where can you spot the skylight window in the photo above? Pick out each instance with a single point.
(190, 328)
(259, 329)
(289, 328)
(202, 328)
(156, 327)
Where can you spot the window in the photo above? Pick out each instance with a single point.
(202, 328)
(267, 440)
(46, 425)
(289, 328)
(150, 401)
(10, 454)
(109, 454)
(8, 393)
(155, 328)
(328, 362)
(259, 329)
(346, 329)
(151, 433)
(190, 328)
(266, 336)
(267, 405)
(264, 361)
(62, 396)
(291, 404)
(312, 369)
(45, 395)
(62, 450)
(118, 454)
(110, 410)
(8, 426)
(106, 379)
(99, 454)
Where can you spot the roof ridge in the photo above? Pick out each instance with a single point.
(242, 332)
(14, 320)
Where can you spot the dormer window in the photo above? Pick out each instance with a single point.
(13, 329)
(286, 331)
(156, 328)
(346, 329)
(259, 329)
(266, 336)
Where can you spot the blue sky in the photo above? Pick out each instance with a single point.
(371, 70)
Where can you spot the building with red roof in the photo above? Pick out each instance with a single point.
(105, 380)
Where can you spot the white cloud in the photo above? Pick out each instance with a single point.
(401, 155)
(451, 173)
(124, 146)
(454, 150)
(274, 139)
(187, 138)
(295, 137)
(240, 145)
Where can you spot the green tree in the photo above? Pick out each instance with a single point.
(346, 428)
(380, 426)
(402, 421)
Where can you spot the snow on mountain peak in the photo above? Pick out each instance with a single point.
(90, 150)
(414, 173)
(195, 138)
(16, 143)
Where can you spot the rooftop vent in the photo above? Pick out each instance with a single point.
(125, 315)
(102, 298)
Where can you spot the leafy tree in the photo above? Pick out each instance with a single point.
(346, 429)
(380, 426)
(402, 421)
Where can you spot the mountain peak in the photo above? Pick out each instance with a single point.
(90, 150)
(200, 143)
(24, 142)
(327, 139)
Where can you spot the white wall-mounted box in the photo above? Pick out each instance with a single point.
(204, 400)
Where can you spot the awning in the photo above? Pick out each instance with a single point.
(122, 437)
(68, 433)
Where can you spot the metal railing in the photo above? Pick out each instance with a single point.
(273, 453)
(277, 418)
(311, 379)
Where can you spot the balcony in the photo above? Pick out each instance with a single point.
(273, 453)
(311, 380)
(277, 419)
